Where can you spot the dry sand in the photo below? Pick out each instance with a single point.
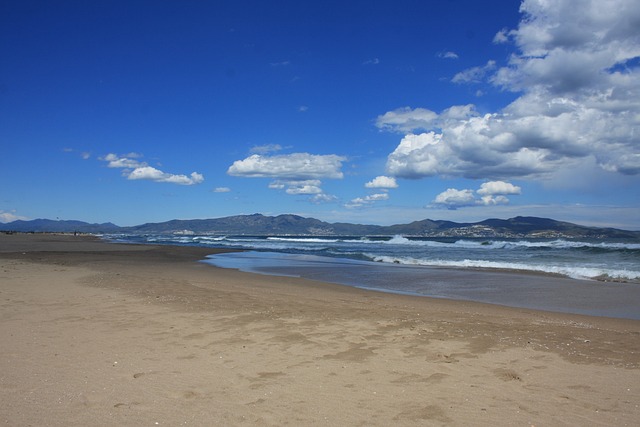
(103, 334)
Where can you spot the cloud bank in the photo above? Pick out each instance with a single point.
(576, 70)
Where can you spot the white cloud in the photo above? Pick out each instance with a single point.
(6, 216)
(115, 161)
(502, 36)
(492, 193)
(448, 55)
(492, 188)
(374, 61)
(377, 197)
(576, 71)
(367, 200)
(145, 172)
(406, 120)
(277, 185)
(478, 147)
(452, 198)
(153, 174)
(493, 200)
(304, 189)
(221, 190)
(310, 186)
(265, 149)
(307, 187)
(382, 182)
(414, 158)
(136, 170)
(297, 166)
(323, 198)
(194, 178)
(474, 74)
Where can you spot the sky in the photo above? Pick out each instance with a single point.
(380, 112)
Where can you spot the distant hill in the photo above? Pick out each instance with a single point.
(57, 226)
(257, 224)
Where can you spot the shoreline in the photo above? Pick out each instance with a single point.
(601, 261)
(103, 333)
(510, 288)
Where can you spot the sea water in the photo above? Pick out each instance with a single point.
(579, 276)
(579, 259)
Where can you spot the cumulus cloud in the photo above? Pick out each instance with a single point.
(492, 188)
(135, 170)
(413, 158)
(492, 193)
(367, 200)
(494, 200)
(307, 187)
(382, 182)
(576, 71)
(221, 190)
(152, 174)
(296, 166)
(453, 198)
(114, 161)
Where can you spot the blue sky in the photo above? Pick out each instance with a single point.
(370, 112)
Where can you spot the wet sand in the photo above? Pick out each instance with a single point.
(523, 289)
(104, 334)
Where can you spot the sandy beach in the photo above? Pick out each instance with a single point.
(102, 334)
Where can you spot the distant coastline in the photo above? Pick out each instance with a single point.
(261, 225)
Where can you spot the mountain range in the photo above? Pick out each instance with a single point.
(257, 224)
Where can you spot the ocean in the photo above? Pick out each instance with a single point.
(592, 277)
